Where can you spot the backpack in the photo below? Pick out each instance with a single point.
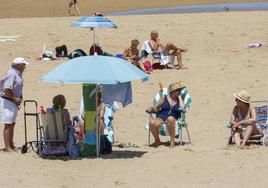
(61, 51)
(77, 53)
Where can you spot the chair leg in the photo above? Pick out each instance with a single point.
(188, 134)
(181, 135)
(149, 137)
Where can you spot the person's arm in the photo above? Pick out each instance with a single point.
(233, 117)
(157, 106)
(126, 54)
(9, 94)
(250, 121)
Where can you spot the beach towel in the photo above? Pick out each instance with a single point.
(9, 38)
(164, 59)
(120, 93)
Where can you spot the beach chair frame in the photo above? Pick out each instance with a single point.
(257, 139)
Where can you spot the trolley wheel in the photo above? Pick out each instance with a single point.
(24, 148)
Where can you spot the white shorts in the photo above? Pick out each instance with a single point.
(8, 111)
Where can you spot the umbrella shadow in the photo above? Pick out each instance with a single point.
(123, 154)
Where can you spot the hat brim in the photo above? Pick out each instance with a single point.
(239, 98)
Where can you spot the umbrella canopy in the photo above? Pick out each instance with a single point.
(96, 70)
(94, 22)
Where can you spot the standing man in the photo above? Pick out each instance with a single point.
(73, 3)
(10, 99)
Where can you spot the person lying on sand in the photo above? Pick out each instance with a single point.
(168, 112)
(243, 119)
(168, 49)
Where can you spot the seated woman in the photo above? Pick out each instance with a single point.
(59, 102)
(168, 112)
(243, 119)
(131, 54)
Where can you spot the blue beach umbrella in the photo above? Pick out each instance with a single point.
(93, 22)
(95, 70)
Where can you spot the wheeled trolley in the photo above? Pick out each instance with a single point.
(31, 110)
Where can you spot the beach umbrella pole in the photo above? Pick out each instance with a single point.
(97, 126)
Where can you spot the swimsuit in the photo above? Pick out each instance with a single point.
(167, 110)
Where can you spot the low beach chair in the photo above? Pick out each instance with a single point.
(180, 123)
(54, 142)
(163, 59)
(262, 122)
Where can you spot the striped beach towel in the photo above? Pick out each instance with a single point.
(262, 116)
(53, 125)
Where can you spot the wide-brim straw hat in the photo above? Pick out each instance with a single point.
(243, 96)
(174, 86)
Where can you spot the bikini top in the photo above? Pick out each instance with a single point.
(240, 116)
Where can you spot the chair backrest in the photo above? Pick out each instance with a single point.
(184, 94)
(53, 123)
(262, 116)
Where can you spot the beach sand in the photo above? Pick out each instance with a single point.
(218, 66)
(49, 8)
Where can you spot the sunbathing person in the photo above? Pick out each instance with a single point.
(168, 49)
(131, 54)
(243, 119)
(168, 112)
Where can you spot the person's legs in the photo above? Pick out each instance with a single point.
(250, 131)
(69, 8)
(12, 136)
(170, 122)
(7, 133)
(247, 134)
(171, 49)
(237, 137)
(77, 9)
(154, 125)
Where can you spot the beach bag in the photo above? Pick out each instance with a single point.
(77, 53)
(61, 51)
(148, 65)
(105, 145)
(72, 146)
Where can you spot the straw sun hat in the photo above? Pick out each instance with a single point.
(174, 86)
(243, 96)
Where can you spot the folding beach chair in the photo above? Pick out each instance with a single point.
(180, 123)
(160, 57)
(54, 142)
(262, 122)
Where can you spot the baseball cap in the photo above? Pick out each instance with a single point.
(19, 60)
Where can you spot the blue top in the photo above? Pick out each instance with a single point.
(167, 110)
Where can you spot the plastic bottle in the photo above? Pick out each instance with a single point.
(42, 110)
(161, 89)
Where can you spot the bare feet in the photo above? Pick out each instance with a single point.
(8, 150)
(155, 144)
(172, 145)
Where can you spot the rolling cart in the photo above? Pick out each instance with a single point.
(35, 145)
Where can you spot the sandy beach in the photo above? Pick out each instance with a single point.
(51, 8)
(218, 66)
